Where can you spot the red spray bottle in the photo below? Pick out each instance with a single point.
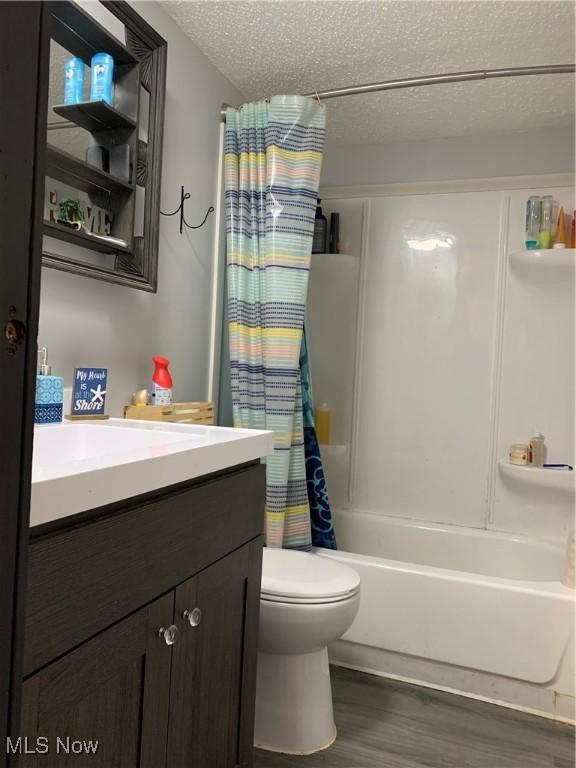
(161, 382)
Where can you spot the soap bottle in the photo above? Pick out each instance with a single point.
(49, 393)
(320, 231)
(323, 419)
(161, 382)
(537, 452)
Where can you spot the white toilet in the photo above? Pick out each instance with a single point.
(307, 602)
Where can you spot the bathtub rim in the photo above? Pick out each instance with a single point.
(551, 545)
(543, 588)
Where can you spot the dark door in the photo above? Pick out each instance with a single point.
(24, 47)
(105, 704)
(214, 664)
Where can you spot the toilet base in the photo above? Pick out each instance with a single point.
(294, 703)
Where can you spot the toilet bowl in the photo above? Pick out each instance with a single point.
(306, 603)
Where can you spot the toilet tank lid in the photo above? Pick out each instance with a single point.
(306, 575)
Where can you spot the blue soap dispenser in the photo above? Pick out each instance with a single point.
(49, 393)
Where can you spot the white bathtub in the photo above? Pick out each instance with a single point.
(482, 600)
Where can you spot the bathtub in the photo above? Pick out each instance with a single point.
(483, 600)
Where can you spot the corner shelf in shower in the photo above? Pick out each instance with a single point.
(557, 479)
(345, 255)
(543, 261)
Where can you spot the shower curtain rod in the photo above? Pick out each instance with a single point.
(450, 77)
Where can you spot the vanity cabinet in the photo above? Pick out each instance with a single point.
(113, 690)
(170, 681)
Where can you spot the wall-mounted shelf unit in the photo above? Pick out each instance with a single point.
(557, 479)
(82, 239)
(94, 116)
(81, 175)
(83, 36)
(131, 220)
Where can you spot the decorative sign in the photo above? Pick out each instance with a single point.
(92, 218)
(89, 392)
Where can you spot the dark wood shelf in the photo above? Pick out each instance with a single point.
(83, 36)
(94, 116)
(81, 238)
(81, 175)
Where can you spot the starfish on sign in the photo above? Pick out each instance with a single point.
(98, 394)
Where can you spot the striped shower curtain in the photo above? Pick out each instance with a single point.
(273, 154)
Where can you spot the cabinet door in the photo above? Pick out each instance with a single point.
(214, 664)
(113, 690)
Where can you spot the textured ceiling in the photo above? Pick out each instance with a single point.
(298, 46)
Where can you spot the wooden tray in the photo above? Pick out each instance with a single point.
(183, 413)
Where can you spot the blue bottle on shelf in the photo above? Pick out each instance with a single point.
(102, 76)
(74, 70)
(49, 393)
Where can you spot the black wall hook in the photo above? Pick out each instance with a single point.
(183, 197)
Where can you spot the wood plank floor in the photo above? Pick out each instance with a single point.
(387, 724)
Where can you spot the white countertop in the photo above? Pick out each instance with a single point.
(82, 465)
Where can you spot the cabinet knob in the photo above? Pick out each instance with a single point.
(170, 635)
(193, 617)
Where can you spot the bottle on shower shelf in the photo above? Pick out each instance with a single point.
(533, 218)
(545, 236)
(320, 231)
(537, 450)
(561, 237)
(323, 419)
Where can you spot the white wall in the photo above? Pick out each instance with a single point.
(459, 355)
(86, 322)
(426, 359)
(537, 379)
(467, 157)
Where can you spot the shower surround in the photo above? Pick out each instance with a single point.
(463, 345)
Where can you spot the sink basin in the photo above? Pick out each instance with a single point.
(79, 466)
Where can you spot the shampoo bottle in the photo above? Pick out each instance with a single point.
(320, 231)
(102, 77)
(161, 382)
(561, 236)
(74, 69)
(49, 393)
(545, 235)
(323, 419)
(533, 216)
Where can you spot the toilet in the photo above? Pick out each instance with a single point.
(306, 603)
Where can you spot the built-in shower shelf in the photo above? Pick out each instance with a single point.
(558, 479)
(539, 261)
(334, 449)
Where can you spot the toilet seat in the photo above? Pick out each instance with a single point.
(304, 578)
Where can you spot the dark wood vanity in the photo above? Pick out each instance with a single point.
(141, 628)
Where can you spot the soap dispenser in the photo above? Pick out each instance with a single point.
(49, 393)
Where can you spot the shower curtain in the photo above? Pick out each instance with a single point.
(273, 155)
